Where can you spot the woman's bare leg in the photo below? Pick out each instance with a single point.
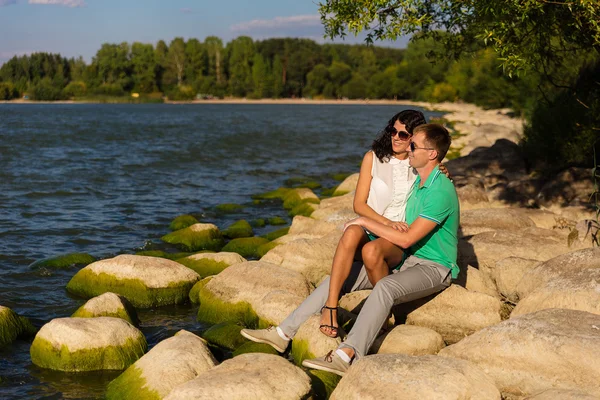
(349, 246)
(379, 256)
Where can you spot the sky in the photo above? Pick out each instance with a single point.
(79, 27)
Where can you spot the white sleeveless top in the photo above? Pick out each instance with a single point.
(391, 184)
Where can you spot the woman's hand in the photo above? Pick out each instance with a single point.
(445, 171)
(400, 226)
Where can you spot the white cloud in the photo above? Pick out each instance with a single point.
(278, 23)
(7, 2)
(66, 3)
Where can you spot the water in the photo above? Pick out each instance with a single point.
(108, 179)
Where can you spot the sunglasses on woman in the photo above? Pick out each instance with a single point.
(402, 135)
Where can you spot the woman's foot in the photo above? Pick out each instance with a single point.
(329, 323)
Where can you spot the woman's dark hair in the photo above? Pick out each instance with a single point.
(382, 146)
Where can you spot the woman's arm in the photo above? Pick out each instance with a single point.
(418, 230)
(362, 191)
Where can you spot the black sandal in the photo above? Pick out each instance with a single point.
(335, 329)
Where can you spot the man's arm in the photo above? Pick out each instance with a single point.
(417, 230)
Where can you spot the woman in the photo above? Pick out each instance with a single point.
(384, 183)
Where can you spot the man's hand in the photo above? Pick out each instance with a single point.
(399, 226)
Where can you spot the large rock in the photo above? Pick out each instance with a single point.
(87, 344)
(307, 228)
(477, 281)
(398, 376)
(13, 326)
(207, 264)
(336, 210)
(348, 185)
(508, 272)
(562, 394)
(247, 377)
(170, 363)
(238, 293)
(576, 261)
(472, 196)
(549, 349)
(310, 343)
(456, 313)
(310, 257)
(144, 281)
(410, 340)
(492, 219)
(196, 237)
(572, 187)
(108, 305)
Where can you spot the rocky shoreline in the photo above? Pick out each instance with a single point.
(521, 321)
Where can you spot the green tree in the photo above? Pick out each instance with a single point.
(175, 62)
(277, 77)
(240, 71)
(113, 65)
(143, 63)
(214, 49)
(260, 77)
(340, 73)
(196, 60)
(316, 80)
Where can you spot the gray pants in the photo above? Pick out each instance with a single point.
(416, 278)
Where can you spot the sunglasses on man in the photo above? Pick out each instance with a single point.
(413, 147)
(402, 135)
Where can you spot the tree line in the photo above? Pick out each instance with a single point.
(273, 68)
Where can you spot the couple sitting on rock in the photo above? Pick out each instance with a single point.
(400, 180)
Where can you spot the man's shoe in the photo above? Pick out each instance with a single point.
(268, 336)
(330, 362)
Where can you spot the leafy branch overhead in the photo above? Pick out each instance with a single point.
(526, 34)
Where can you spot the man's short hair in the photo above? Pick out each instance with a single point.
(437, 137)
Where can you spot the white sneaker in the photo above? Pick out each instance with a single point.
(268, 336)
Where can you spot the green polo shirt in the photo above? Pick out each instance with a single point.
(437, 201)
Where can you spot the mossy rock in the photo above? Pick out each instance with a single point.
(196, 237)
(277, 194)
(194, 294)
(276, 221)
(305, 209)
(225, 335)
(13, 326)
(246, 247)
(208, 264)
(265, 248)
(229, 208)
(302, 183)
(328, 192)
(64, 261)
(144, 281)
(276, 234)
(323, 383)
(239, 229)
(252, 347)
(108, 305)
(215, 311)
(87, 344)
(131, 385)
(182, 221)
(299, 196)
(163, 254)
(340, 177)
(258, 223)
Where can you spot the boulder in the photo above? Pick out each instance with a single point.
(562, 394)
(144, 281)
(309, 342)
(480, 220)
(571, 187)
(252, 347)
(508, 272)
(579, 260)
(225, 335)
(207, 264)
(311, 257)
(472, 196)
(410, 340)
(548, 349)
(247, 376)
(477, 281)
(170, 363)
(64, 261)
(354, 301)
(336, 210)
(239, 229)
(13, 326)
(182, 221)
(276, 234)
(456, 313)
(238, 293)
(87, 344)
(399, 376)
(108, 305)
(246, 247)
(196, 237)
(348, 185)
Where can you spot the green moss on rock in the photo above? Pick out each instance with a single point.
(88, 284)
(13, 326)
(127, 313)
(163, 254)
(276, 234)
(340, 177)
(323, 383)
(300, 351)
(131, 385)
(302, 183)
(225, 335)
(215, 311)
(328, 192)
(258, 223)
(45, 355)
(204, 266)
(306, 208)
(195, 291)
(265, 248)
(239, 229)
(182, 221)
(279, 194)
(193, 240)
(251, 347)
(276, 221)
(229, 208)
(64, 261)
(246, 247)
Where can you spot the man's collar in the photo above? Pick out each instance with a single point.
(432, 177)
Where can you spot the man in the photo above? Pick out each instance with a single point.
(432, 213)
